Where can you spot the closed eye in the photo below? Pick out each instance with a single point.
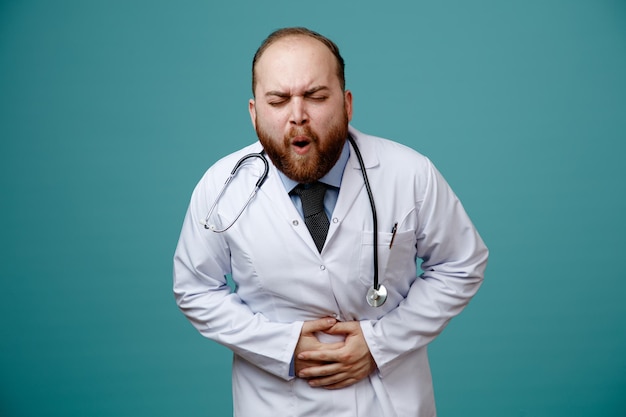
(277, 99)
(319, 93)
(317, 97)
(277, 103)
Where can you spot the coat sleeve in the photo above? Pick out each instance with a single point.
(201, 290)
(454, 258)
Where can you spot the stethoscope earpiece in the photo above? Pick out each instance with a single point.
(260, 182)
(206, 225)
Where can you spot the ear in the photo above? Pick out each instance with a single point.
(347, 102)
(252, 111)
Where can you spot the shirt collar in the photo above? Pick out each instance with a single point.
(332, 177)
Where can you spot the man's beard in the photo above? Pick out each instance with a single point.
(316, 162)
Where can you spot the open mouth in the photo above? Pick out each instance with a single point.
(301, 144)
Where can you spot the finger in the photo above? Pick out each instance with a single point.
(340, 379)
(336, 381)
(318, 325)
(321, 371)
(313, 355)
(342, 384)
(326, 355)
(356, 367)
(299, 365)
(344, 327)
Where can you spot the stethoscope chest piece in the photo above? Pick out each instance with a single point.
(376, 297)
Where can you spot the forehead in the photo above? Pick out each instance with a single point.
(296, 60)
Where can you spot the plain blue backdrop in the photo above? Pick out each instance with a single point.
(110, 111)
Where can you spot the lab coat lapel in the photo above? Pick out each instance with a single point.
(352, 181)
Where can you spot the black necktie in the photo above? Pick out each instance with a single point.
(313, 209)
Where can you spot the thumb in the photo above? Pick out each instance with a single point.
(318, 325)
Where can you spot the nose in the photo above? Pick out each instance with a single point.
(299, 114)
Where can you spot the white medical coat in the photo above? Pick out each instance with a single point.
(282, 280)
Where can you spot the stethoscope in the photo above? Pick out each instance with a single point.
(377, 294)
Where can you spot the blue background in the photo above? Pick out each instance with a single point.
(111, 111)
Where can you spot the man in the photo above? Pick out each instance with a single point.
(305, 340)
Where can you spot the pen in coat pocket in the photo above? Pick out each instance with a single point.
(393, 234)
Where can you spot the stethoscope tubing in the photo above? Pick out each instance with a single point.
(259, 183)
(376, 295)
(370, 195)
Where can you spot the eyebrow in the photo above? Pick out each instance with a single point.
(282, 94)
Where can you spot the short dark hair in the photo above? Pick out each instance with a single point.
(300, 31)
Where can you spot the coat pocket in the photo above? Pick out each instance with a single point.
(395, 259)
